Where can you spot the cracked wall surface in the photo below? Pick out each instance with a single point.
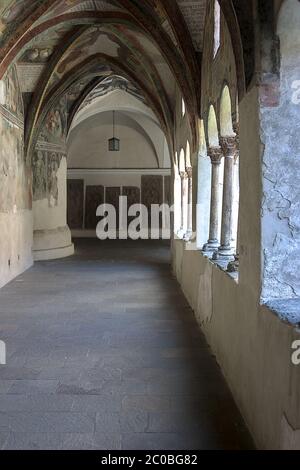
(281, 168)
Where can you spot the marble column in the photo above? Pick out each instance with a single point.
(189, 233)
(229, 147)
(215, 154)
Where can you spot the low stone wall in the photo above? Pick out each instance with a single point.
(252, 345)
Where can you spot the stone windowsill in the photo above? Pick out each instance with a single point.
(191, 246)
(222, 266)
(286, 309)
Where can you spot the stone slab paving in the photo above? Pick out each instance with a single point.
(103, 352)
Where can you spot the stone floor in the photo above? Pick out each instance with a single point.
(104, 353)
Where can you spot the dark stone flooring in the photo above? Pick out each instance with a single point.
(104, 353)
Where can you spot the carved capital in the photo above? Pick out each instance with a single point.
(189, 172)
(183, 175)
(229, 146)
(215, 154)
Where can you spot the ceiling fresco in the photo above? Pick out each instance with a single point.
(66, 48)
(108, 85)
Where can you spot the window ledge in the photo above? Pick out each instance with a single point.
(286, 309)
(222, 266)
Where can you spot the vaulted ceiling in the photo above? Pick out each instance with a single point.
(69, 46)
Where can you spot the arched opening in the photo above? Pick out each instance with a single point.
(226, 127)
(188, 155)
(204, 190)
(183, 108)
(217, 178)
(212, 128)
(105, 177)
(230, 212)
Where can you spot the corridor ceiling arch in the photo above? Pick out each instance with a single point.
(52, 34)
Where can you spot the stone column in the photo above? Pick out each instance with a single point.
(189, 233)
(229, 147)
(183, 177)
(215, 154)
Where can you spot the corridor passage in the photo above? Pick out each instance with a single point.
(103, 352)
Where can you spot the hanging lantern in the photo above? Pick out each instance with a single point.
(114, 143)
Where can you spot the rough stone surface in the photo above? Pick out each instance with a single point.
(286, 309)
(281, 176)
(104, 353)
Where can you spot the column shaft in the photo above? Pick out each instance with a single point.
(215, 154)
(229, 146)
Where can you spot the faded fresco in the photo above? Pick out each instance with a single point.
(13, 13)
(39, 175)
(15, 174)
(55, 124)
(48, 154)
(54, 160)
(45, 166)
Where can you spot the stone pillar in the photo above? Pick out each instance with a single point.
(52, 236)
(215, 154)
(189, 233)
(229, 147)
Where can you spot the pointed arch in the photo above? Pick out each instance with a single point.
(212, 128)
(226, 127)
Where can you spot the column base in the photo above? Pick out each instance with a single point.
(52, 244)
(226, 253)
(211, 246)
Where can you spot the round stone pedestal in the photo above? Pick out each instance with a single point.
(52, 244)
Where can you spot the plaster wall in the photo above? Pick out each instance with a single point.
(15, 184)
(15, 244)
